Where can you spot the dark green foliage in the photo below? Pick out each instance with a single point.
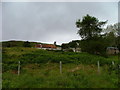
(18, 44)
(65, 46)
(89, 27)
(72, 44)
(27, 44)
(113, 35)
(118, 42)
(113, 68)
(12, 44)
(111, 39)
(96, 45)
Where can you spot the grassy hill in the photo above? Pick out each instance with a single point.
(40, 69)
(14, 43)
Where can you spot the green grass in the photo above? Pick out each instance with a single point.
(40, 69)
(48, 76)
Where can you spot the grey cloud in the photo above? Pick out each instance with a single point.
(49, 22)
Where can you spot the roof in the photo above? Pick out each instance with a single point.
(45, 46)
(112, 48)
(48, 46)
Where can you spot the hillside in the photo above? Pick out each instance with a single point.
(14, 43)
(40, 69)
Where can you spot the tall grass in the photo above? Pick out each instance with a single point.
(40, 69)
(48, 76)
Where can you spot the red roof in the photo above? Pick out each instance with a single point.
(45, 46)
(48, 46)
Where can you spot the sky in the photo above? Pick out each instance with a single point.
(51, 21)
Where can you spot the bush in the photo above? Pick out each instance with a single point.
(94, 46)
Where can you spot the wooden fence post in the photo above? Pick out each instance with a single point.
(19, 68)
(98, 67)
(113, 63)
(60, 67)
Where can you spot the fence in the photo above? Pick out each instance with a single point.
(60, 65)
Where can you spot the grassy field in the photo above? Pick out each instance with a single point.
(40, 69)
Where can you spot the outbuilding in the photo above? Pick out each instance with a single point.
(112, 50)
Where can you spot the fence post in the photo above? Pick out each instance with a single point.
(113, 63)
(19, 68)
(98, 67)
(60, 67)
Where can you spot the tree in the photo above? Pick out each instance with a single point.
(89, 27)
(94, 45)
(118, 42)
(27, 44)
(113, 34)
(113, 28)
(73, 44)
(111, 39)
(65, 46)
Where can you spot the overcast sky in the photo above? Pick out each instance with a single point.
(49, 21)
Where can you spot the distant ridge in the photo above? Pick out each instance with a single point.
(19, 43)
